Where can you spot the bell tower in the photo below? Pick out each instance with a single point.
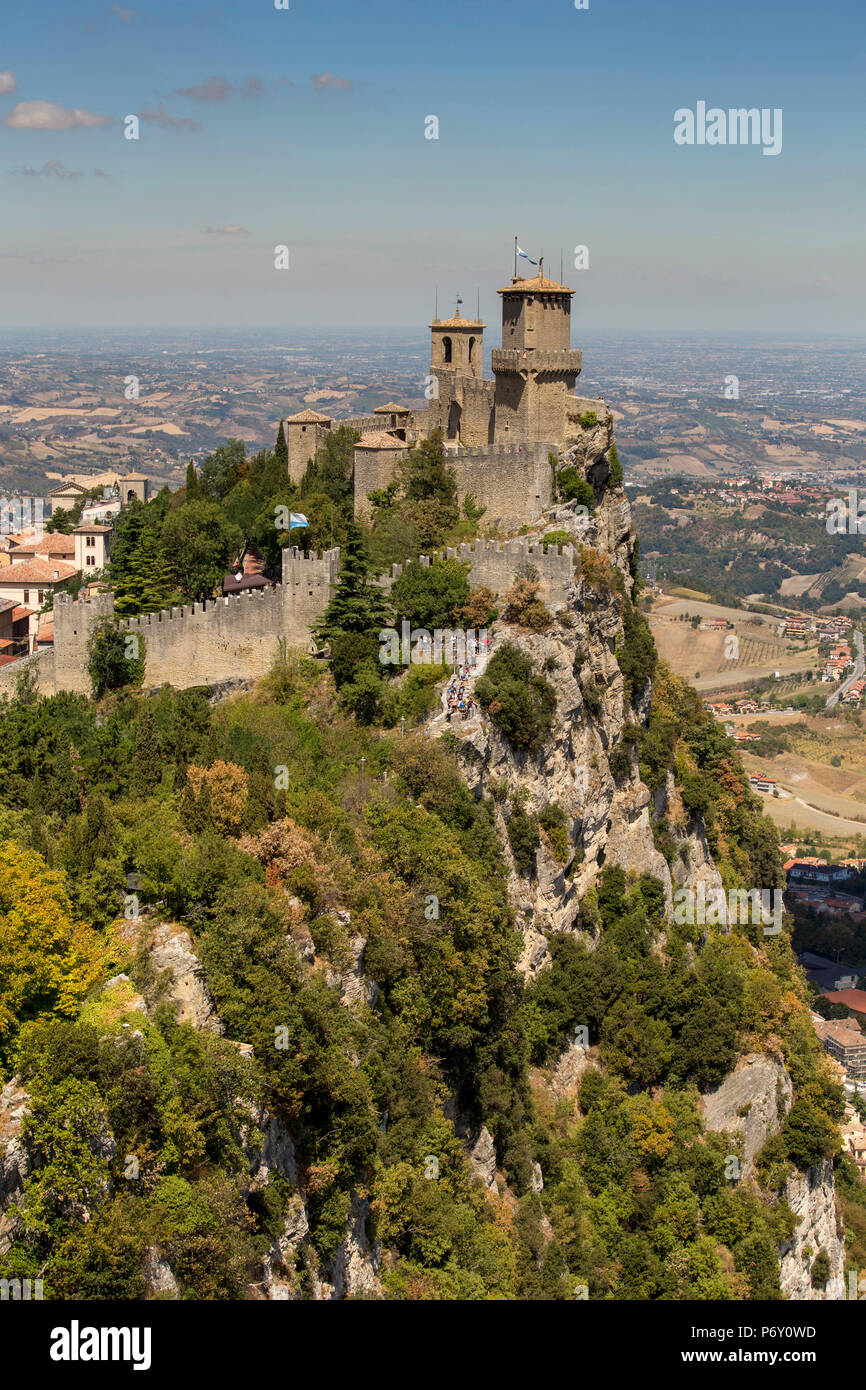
(457, 345)
(459, 407)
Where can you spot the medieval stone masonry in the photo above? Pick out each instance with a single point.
(499, 434)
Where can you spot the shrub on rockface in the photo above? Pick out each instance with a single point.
(573, 487)
(523, 838)
(517, 698)
(615, 478)
(523, 606)
(637, 655)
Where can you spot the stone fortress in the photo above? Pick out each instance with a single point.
(499, 435)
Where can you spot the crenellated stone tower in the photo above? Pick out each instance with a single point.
(536, 368)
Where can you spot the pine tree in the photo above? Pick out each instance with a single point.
(193, 487)
(152, 574)
(281, 451)
(358, 604)
(146, 755)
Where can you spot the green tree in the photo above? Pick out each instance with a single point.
(147, 754)
(518, 699)
(358, 606)
(115, 657)
(193, 487)
(223, 469)
(430, 595)
(331, 470)
(199, 545)
(281, 451)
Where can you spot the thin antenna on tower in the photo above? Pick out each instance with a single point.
(478, 306)
(436, 304)
(561, 272)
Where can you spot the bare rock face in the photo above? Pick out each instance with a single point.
(482, 1159)
(753, 1101)
(573, 1062)
(629, 842)
(268, 1146)
(279, 1281)
(811, 1197)
(14, 1159)
(159, 1276)
(354, 986)
(171, 951)
(355, 1267)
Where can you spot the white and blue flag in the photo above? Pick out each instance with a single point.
(297, 519)
(525, 257)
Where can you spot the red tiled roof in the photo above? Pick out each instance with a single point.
(380, 441)
(308, 417)
(852, 999)
(539, 284)
(37, 572)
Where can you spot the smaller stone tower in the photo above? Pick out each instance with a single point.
(457, 345)
(305, 433)
(462, 405)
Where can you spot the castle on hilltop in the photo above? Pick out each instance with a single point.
(499, 434)
(499, 437)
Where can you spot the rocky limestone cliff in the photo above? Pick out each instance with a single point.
(609, 820)
(752, 1101)
(609, 817)
(812, 1198)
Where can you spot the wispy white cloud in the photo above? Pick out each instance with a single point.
(228, 230)
(8, 82)
(162, 118)
(50, 115)
(329, 82)
(52, 169)
(220, 89)
(124, 15)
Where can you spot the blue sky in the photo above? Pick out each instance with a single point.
(305, 127)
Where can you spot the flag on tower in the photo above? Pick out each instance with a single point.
(297, 519)
(525, 257)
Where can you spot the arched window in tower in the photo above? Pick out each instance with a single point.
(471, 349)
(446, 349)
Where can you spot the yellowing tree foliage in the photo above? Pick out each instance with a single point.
(48, 962)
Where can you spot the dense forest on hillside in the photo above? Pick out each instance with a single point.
(279, 828)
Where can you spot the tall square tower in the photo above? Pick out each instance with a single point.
(536, 368)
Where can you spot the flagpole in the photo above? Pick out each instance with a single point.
(515, 258)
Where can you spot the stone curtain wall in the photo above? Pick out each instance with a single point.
(201, 643)
(223, 638)
(308, 583)
(513, 481)
(198, 643)
(494, 564)
(43, 661)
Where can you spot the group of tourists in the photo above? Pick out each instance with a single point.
(458, 699)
